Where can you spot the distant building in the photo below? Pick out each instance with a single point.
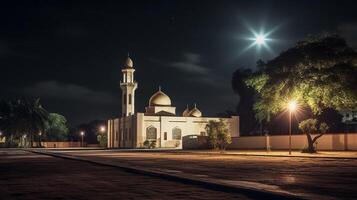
(159, 123)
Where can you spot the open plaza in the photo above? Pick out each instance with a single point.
(85, 173)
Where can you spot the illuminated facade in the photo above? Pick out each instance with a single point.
(159, 123)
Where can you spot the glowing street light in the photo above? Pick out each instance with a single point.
(102, 129)
(292, 106)
(82, 135)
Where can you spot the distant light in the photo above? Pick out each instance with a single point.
(292, 106)
(102, 129)
(82, 133)
(260, 39)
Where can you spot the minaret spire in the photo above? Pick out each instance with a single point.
(128, 86)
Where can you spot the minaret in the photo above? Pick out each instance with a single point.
(128, 86)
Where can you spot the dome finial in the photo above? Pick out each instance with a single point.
(128, 62)
(195, 105)
(160, 88)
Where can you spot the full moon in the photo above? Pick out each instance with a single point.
(260, 39)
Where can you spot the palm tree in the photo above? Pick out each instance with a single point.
(23, 116)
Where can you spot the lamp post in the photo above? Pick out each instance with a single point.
(82, 135)
(39, 139)
(292, 107)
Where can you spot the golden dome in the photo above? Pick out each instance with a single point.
(186, 112)
(160, 99)
(195, 112)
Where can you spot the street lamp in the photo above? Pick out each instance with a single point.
(82, 135)
(39, 139)
(102, 129)
(292, 105)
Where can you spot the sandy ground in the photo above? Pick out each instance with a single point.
(25, 175)
(317, 177)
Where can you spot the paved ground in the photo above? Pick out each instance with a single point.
(25, 175)
(317, 178)
(319, 154)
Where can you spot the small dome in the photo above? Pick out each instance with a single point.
(128, 63)
(186, 112)
(195, 112)
(160, 99)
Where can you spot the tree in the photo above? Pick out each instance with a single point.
(218, 134)
(246, 99)
(319, 72)
(23, 116)
(56, 128)
(102, 139)
(309, 127)
(146, 144)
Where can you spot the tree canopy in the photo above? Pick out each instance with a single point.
(56, 128)
(319, 72)
(22, 116)
(218, 134)
(246, 100)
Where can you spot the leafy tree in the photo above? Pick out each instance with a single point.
(319, 72)
(146, 143)
(218, 134)
(246, 99)
(56, 128)
(152, 144)
(102, 139)
(309, 127)
(23, 116)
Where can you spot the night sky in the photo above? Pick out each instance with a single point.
(70, 53)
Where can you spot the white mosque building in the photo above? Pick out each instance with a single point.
(159, 123)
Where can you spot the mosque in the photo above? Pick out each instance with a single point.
(159, 123)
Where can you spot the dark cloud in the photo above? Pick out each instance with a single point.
(349, 31)
(65, 91)
(191, 63)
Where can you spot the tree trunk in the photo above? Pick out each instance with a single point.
(31, 140)
(310, 142)
(39, 141)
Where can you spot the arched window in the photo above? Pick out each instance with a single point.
(129, 98)
(151, 133)
(176, 133)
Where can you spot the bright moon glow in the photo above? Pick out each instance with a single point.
(292, 106)
(260, 39)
